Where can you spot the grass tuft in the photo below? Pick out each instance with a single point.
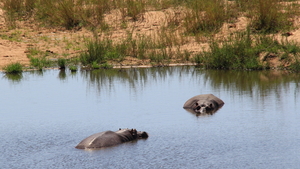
(73, 68)
(61, 63)
(204, 16)
(39, 62)
(99, 51)
(13, 68)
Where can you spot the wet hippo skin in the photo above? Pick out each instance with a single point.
(203, 104)
(111, 138)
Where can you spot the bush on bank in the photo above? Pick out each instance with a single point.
(13, 68)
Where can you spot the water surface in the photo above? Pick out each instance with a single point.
(44, 115)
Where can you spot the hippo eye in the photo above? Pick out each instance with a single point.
(196, 104)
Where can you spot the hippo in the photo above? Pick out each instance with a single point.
(110, 138)
(203, 104)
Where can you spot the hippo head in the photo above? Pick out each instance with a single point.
(142, 134)
(135, 134)
(203, 107)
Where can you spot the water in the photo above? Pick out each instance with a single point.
(44, 115)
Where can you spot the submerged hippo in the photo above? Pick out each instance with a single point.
(203, 104)
(110, 138)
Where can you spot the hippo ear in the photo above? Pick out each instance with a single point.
(120, 129)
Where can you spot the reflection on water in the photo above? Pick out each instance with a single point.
(245, 82)
(45, 114)
(62, 74)
(13, 77)
(131, 77)
(249, 82)
(201, 114)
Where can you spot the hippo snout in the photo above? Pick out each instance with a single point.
(202, 110)
(142, 134)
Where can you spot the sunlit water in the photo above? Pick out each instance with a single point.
(44, 115)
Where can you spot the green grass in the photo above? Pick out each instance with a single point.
(242, 51)
(15, 36)
(200, 16)
(73, 68)
(61, 63)
(269, 17)
(95, 65)
(13, 68)
(295, 66)
(106, 66)
(236, 53)
(40, 62)
(204, 16)
(191, 18)
(99, 51)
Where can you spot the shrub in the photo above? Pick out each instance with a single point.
(73, 68)
(13, 68)
(99, 51)
(242, 51)
(61, 63)
(236, 53)
(106, 66)
(95, 65)
(39, 63)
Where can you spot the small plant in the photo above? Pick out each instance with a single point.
(61, 63)
(160, 57)
(267, 16)
(295, 66)
(73, 68)
(106, 66)
(134, 8)
(13, 68)
(95, 53)
(198, 59)
(101, 51)
(32, 52)
(204, 16)
(39, 63)
(95, 65)
(14, 36)
(131, 8)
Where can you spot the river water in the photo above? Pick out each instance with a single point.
(44, 115)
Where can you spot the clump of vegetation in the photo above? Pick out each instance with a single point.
(61, 63)
(269, 17)
(73, 68)
(99, 51)
(13, 68)
(242, 51)
(40, 62)
(95, 65)
(295, 66)
(204, 16)
(106, 66)
(236, 53)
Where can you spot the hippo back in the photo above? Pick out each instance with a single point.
(99, 140)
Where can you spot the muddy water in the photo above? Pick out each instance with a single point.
(44, 115)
